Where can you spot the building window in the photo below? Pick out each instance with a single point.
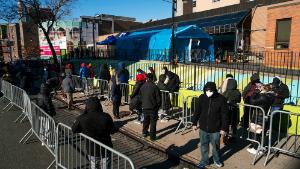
(194, 4)
(215, 0)
(283, 33)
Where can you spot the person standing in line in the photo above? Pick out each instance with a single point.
(135, 100)
(116, 94)
(84, 74)
(68, 88)
(98, 125)
(123, 77)
(223, 86)
(211, 114)
(247, 93)
(281, 92)
(151, 70)
(151, 102)
(233, 96)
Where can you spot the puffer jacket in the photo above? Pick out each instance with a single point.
(282, 92)
(232, 94)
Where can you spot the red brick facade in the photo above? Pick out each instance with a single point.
(287, 57)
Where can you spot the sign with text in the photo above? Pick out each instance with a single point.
(46, 51)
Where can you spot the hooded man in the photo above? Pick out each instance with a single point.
(233, 96)
(211, 114)
(99, 126)
(151, 102)
(281, 92)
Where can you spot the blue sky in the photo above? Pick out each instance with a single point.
(142, 10)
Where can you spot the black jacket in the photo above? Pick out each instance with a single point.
(150, 96)
(263, 100)
(282, 92)
(211, 113)
(96, 124)
(135, 101)
(45, 100)
(232, 94)
(104, 73)
(173, 84)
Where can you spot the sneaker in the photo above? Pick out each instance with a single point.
(251, 150)
(218, 164)
(201, 166)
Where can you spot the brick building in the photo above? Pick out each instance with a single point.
(11, 49)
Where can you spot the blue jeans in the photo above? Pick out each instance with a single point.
(205, 139)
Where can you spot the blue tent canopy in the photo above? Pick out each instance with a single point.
(156, 44)
(110, 40)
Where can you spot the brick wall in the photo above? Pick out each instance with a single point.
(283, 57)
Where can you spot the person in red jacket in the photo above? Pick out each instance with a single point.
(91, 69)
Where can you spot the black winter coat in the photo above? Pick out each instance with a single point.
(211, 113)
(233, 96)
(45, 100)
(174, 82)
(104, 73)
(150, 96)
(283, 93)
(99, 126)
(135, 101)
(263, 100)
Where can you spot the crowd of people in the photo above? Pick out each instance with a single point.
(217, 114)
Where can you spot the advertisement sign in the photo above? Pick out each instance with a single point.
(46, 51)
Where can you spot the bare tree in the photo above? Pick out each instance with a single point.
(43, 13)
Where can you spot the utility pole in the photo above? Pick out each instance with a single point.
(172, 56)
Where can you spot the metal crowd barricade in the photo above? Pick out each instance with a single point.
(172, 104)
(102, 89)
(254, 130)
(80, 151)
(282, 138)
(126, 90)
(7, 92)
(189, 107)
(43, 126)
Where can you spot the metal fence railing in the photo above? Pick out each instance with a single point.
(282, 138)
(81, 151)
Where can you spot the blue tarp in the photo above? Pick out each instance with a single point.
(156, 44)
(110, 40)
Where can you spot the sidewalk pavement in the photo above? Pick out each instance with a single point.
(19, 156)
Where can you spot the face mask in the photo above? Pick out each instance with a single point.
(209, 93)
